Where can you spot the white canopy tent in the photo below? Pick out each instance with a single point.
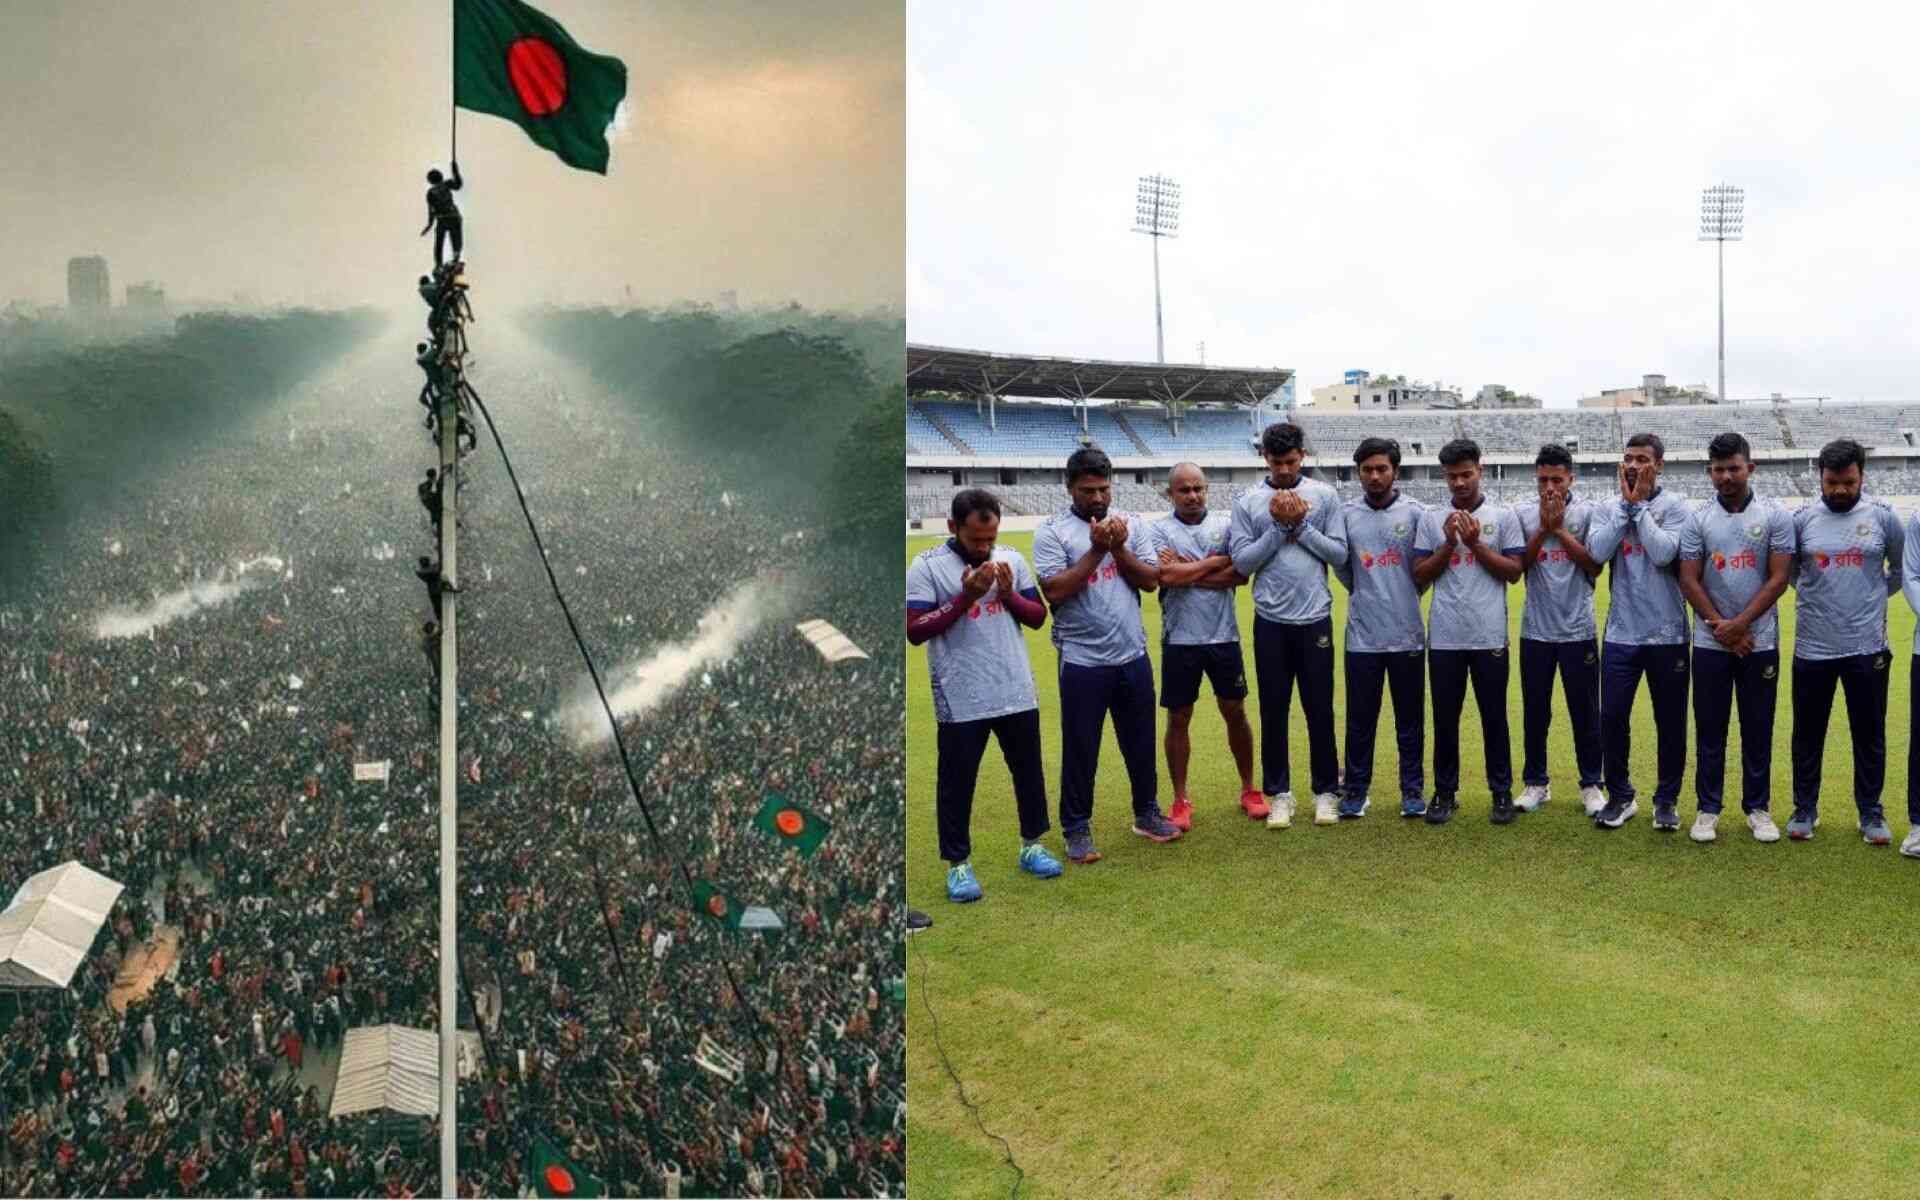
(397, 1069)
(833, 645)
(762, 919)
(49, 926)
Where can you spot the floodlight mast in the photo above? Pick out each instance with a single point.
(1722, 218)
(1156, 213)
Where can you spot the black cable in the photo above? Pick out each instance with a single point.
(1019, 1176)
(620, 744)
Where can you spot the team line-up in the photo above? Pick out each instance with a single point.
(1729, 561)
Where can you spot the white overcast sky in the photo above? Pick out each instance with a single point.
(1473, 192)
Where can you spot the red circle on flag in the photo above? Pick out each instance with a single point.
(789, 822)
(538, 74)
(559, 1180)
(717, 905)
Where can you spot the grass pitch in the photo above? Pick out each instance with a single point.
(1382, 1008)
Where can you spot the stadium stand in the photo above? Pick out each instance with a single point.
(922, 436)
(1202, 430)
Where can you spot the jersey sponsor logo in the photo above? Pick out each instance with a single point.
(1744, 560)
(1629, 549)
(1850, 557)
(985, 610)
(1386, 558)
(1559, 555)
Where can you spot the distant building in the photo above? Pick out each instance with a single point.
(1497, 395)
(87, 286)
(1383, 393)
(146, 297)
(1653, 390)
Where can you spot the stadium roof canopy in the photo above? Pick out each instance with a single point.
(49, 927)
(1081, 380)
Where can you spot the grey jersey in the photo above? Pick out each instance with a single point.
(1732, 549)
(1640, 543)
(1469, 609)
(1194, 616)
(1559, 601)
(1289, 568)
(1100, 625)
(1384, 612)
(1845, 566)
(1910, 575)
(979, 666)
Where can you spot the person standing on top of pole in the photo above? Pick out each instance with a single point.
(442, 212)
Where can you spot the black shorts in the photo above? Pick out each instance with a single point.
(1182, 666)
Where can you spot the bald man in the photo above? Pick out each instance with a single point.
(1200, 635)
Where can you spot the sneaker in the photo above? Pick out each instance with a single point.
(1801, 827)
(1182, 814)
(1326, 809)
(1440, 810)
(1911, 847)
(1616, 814)
(1703, 826)
(1080, 849)
(1666, 817)
(962, 887)
(1035, 861)
(1155, 827)
(1504, 810)
(1413, 806)
(1593, 799)
(1764, 830)
(1532, 797)
(1352, 808)
(917, 921)
(1254, 803)
(1873, 830)
(1280, 810)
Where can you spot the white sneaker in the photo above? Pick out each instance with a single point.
(1532, 797)
(1911, 847)
(1593, 799)
(1280, 810)
(1703, 824)
(1764, 830)
(1326, 809)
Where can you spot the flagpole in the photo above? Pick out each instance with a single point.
(453, 102)
(449, 732)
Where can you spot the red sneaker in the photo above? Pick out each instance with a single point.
(1254, 803)
(1182, 814)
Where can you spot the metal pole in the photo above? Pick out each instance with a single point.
(1720, 250)
(1159, 337)
(449, 783)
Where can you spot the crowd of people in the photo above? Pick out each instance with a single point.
(203, 756)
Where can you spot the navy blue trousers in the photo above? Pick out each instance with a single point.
(1087, 695)
(1487, 669)
(1666, 670)
(1368, 676)
(1719, 680)
(1864, 677)
(1578, 665)
(1285, 655)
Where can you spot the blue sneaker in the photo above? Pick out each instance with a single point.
(1874, 830)
(1352, 809)
(1413, 806)
(1155, 827)
(1035, 861)
(962, 887)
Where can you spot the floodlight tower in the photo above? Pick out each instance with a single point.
(1156, 213)
(1722, 215)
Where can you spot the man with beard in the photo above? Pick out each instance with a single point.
(1847, 562)
(1468, 554)
(1386, 641)
(1286, 532)
(1646, 631)
(1200, 635)
(963, 601)
(1734, 557)
(1557, 631)
(1092, 569)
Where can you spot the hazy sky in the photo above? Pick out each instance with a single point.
(1484, 192)
(279, 148)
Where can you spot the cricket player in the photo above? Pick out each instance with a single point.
(1847, 561)
(966, 601)
(1735, 555)
(1286, 532)
(1200, 636)
(1646, 634)
(1386, 640)
(1468, 554)
(1093, 567)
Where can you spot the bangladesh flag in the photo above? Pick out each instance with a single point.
(791, 824)
(554, 1174)
(710, 901)
(516, 62)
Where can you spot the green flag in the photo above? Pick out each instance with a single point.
(516, 62)
(710, 901)
(554, 1174)
(792, 825)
